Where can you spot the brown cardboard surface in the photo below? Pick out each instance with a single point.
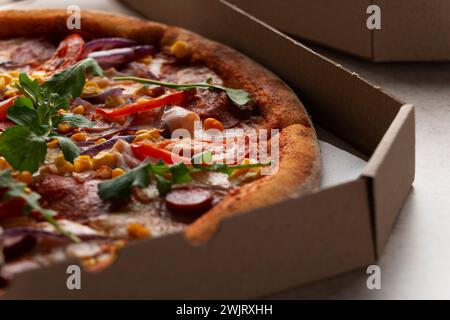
(389, 189)
(285, 245)
(411, 30)
(339, 24)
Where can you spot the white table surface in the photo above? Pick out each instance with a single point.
(416, 262)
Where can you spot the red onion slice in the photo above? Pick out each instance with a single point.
(117, 57)
(107, 43)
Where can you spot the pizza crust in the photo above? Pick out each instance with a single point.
(280, 108)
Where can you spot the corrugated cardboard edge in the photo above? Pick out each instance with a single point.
(395, 154)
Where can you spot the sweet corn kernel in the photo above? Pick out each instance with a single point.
(91, 88)
(6, 78)
(117, 173)
(212, 123)
(67, 168)
(82, 163)
(104, 159)
(4, 164)
(62, 165)
(25, 176)
(102, 82)
(53, 144)
(181, 50)
(142, 100)
(9, 93)
(39, 76)
(79, 110)
(138, 231)
(63, 127)
(142, 135)
(146, 60)
(14, 73)
(49, 169)
(141, 91)
(2, 84)
(114, 101)
(100, 141)
(79, 137)
(104, 172)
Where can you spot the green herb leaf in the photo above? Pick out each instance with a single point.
(30, 88)
(71, 81)
(16, 189)
(163, 185)
(180, 173)
(23, 148)
(75, 120)
(24, 102)
(238, 96)
(25, 116)
(202, 158)
(69, 149)
(121, 187)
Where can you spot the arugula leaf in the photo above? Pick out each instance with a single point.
(30, 88)
(24, 102)
(163, 185)
(25, 116)
(238, 96)
(122, 186)
(17, 189)
(75, 120)
(71, 81)
(180, 173)
(24, 145)
(202, 158)
(166, 176)
(22, 148)
(68, 148)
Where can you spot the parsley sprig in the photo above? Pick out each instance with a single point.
(35, 113)
(17, 189)
(239, 97)
(165, 175)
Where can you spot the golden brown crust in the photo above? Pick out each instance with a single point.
(279, 106)
(298, 173)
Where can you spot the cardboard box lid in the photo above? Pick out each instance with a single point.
(411, 30)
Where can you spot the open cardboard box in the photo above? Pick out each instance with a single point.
(411, 30)
(325, 233)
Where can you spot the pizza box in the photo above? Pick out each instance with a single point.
(411, 30)
(327, 232)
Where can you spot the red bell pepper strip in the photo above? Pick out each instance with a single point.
(173, 98)
(69, 52)
(4, 105)
(144, 151)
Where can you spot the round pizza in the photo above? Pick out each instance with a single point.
(128, 129)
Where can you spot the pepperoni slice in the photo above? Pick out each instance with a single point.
(68, 53)
(189, 200)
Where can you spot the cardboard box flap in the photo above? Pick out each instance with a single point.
(391, 172)
(328, 22)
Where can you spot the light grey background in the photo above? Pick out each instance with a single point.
(416, 262)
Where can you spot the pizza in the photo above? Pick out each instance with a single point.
(129, 129)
